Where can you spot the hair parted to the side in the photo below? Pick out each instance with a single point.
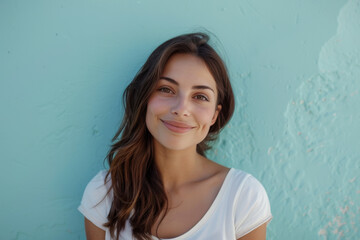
(138, 192)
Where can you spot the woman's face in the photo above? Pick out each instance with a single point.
(183, 106)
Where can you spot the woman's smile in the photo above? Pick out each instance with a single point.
(177, 127)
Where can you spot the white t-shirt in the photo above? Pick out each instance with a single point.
(240, 206)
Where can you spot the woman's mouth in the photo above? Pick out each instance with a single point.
(177, 127)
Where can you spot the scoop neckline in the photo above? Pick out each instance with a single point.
(206, 216)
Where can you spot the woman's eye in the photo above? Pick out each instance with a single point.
(165, 90)
(201, 97)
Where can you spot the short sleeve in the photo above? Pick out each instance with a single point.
(95, 201)
(252, 207)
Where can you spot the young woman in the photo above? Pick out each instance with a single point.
(160, 184)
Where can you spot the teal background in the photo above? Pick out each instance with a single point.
(294, 65)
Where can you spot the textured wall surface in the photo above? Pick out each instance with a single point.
(294, 65)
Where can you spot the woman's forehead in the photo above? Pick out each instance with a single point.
(188, 69)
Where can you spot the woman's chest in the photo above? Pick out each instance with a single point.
(187, 208)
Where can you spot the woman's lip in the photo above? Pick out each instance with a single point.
(177, 127)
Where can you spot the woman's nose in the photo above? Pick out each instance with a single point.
(181, 107)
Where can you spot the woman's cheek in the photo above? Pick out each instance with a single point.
(205, 115)
(156, 104)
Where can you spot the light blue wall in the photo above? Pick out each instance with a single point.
(295, 67)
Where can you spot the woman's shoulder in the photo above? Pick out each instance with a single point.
(97, 185)
(245, 184)
(97, 188)
(251, 202)
(96, 200)
(240, 179)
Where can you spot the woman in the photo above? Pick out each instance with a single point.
(160, 184)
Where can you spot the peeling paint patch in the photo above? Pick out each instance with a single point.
(322, 134)
(352, 180)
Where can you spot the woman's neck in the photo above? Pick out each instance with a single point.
(179, 167)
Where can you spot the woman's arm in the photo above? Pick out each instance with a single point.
(93, 232)
(256, 234)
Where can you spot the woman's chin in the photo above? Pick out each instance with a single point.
(174, 146)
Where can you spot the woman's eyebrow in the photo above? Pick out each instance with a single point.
(194, 87)
(170, 80)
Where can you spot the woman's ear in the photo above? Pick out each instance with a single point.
(216, 114)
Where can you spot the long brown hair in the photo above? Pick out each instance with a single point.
(138, 191)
